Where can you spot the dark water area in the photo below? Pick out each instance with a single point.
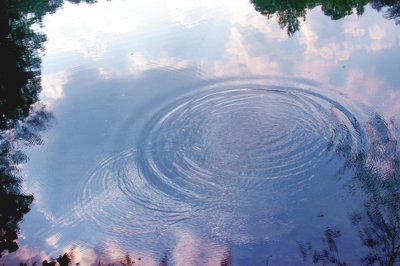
(199, 132)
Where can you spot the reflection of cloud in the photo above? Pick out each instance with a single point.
(82, 255)
(240, 61)
(111, 250)
(372, 90)
(315, 59)
(188, 13)
(104, 73)
(323, 53)
(53, 86)
(333, 51)
(190, 250)
(353, 28)
(26, 255)
(53, 240)
(359, 36)
(243, 16)
(315, 69)
(240, 58)
(140, 63)
(88, 27)
(113, 253)
(380, 38)
(376, 33)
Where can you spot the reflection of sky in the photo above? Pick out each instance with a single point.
(219, 39)
(129, 52)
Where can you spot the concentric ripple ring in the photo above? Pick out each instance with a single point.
(224, 144)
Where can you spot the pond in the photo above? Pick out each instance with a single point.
(200, 132)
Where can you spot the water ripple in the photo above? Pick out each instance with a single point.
(224, 145)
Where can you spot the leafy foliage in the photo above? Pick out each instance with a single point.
(21, 116)
(289, 13)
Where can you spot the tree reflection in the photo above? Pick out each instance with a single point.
(330, 252)
(22, 117)
(290, 13)
(378, 223)
(226, 260)
(63, 260)
(13, 203)
(68, 259)
(391, 9)
(378, 226)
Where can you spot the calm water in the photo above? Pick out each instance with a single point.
(207, 132)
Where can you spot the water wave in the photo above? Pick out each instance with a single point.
(227, 145)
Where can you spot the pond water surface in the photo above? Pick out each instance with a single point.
(216, 133)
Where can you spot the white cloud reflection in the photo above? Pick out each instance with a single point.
(188, 13)
(374, 91)
(190, 250)
(243, 16)
(25, 254)
(240, 61)
(52, 86)
(254, 45)
(381, 38)
(53, 240)
(353, 28)
(87, 28)
(140, 63)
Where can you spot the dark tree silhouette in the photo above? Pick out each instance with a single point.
(330, 252)
(21, 116)
(290, 12)
(20, 119)
(13, 204)
(226, 260)
(164, 259)
(390, 8)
